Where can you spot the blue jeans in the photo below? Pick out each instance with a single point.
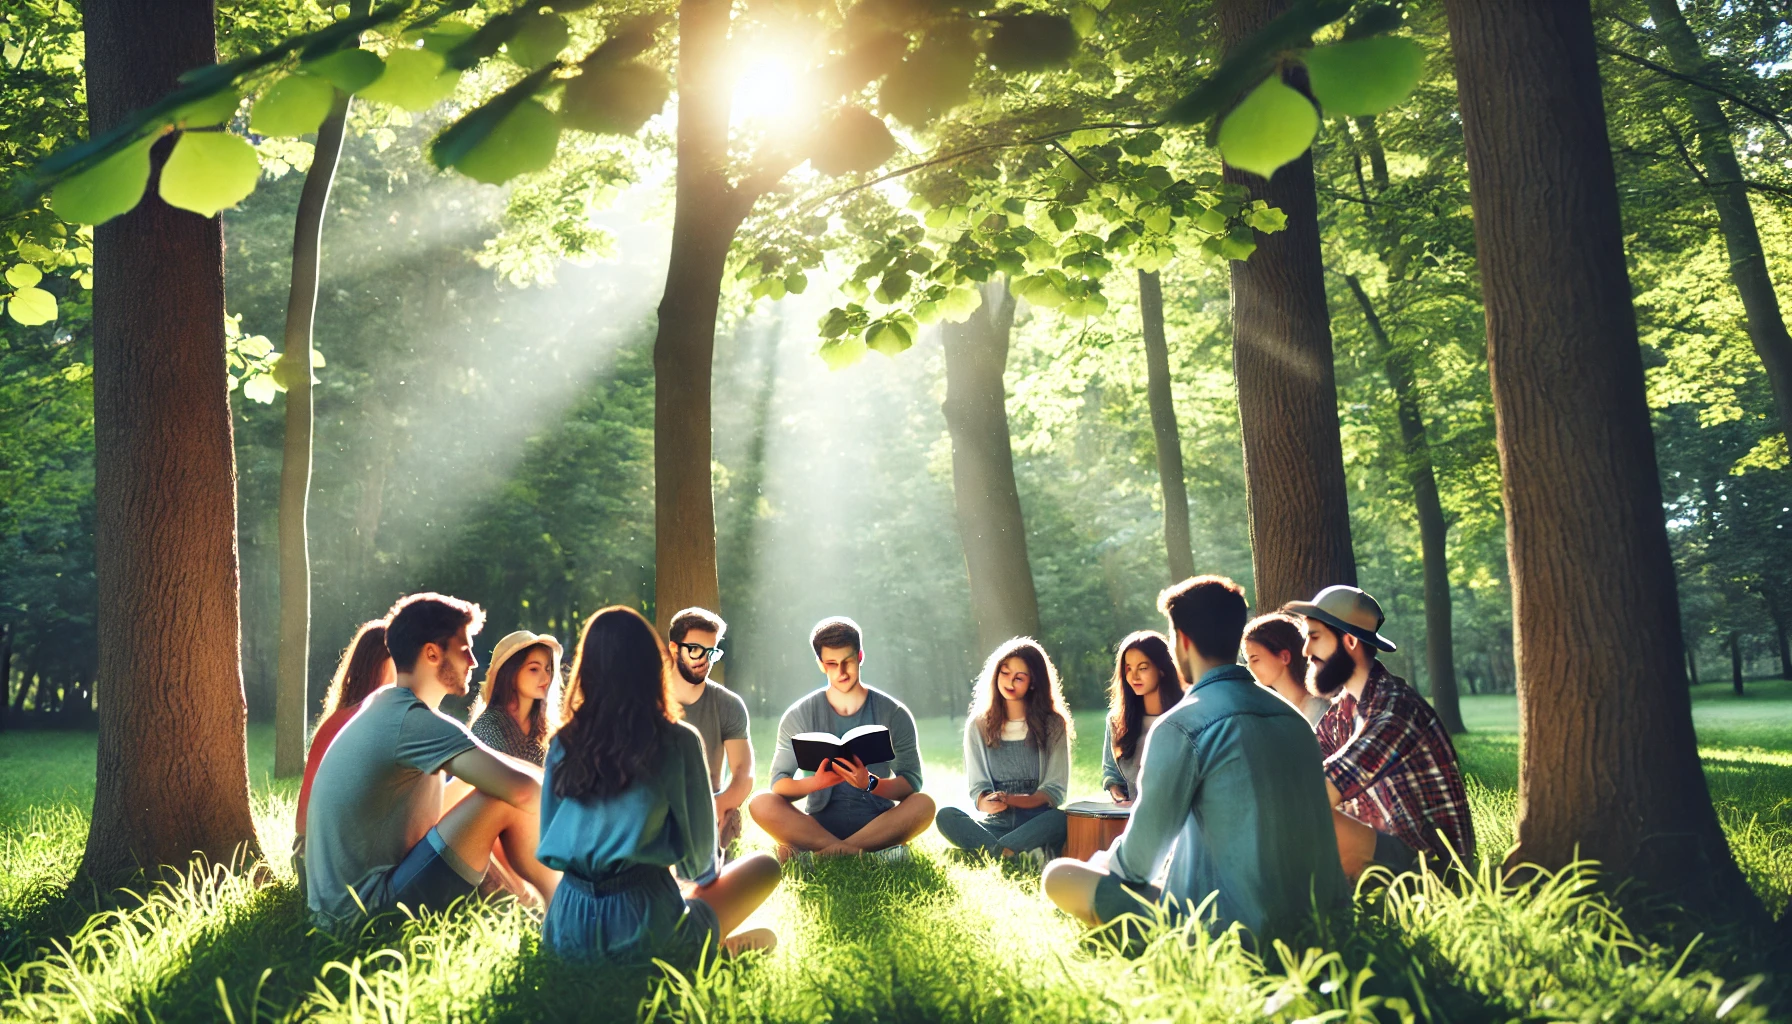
(1016, 829)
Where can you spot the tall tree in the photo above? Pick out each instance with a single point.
(1440, 652)
(1282, 358)
(173, 776)
(291, 687)
(1177, 545)
(1609, 767)
(1003, 598)
(1729, 192)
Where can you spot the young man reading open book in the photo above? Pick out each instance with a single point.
(852, 806)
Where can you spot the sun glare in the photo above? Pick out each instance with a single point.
(769, 92)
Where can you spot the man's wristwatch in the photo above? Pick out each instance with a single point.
(871, 787)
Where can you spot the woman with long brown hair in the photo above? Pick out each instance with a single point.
(365, 666)
(1016, 757)
(625, 797)
(521, 684)
(1145, 686)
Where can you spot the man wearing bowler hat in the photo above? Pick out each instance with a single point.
(1390, 769)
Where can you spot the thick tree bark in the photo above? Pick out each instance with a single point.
(1609, 767)
(1177, 544)
(1736, 662)
(1778, 612)
(707, 211)
(1440, 648)
(1287, 392)
(172, 776)
(1003, 599)
(291, 692)
(1742, 240)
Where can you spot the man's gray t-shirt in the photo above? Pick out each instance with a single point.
(377, 793)
(813, 713)
(719, 715)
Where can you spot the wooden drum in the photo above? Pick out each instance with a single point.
(1089, 832)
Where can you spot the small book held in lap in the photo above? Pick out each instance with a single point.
(1097, 809)
(869, 743)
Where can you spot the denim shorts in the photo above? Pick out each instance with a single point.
(849, 809)
(430, 877)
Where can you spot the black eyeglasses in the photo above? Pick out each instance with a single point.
(697, 652)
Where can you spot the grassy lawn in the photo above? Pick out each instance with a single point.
(934, 939)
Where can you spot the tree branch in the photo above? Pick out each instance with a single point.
(946, 158)
(1767, 115)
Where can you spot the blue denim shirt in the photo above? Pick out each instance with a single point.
(1232, 777)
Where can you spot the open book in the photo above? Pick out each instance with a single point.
(1098, 809)
(868, 743)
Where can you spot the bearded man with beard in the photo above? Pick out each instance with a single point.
(385, 826)
(717, 713)
(1390, 770)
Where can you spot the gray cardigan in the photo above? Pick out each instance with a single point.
(1054, 766)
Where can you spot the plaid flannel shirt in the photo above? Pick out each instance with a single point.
(1393, 763)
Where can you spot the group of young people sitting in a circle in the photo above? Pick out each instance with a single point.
(1271, 783)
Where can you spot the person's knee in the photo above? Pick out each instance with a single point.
(921, 806)
(760, 868)
(1070, 884)
(767, 805)
(951, 815)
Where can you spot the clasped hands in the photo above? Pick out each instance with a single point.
(836, 770)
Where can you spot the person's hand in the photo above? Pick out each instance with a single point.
(993, 803)
(1119, 796)
(827, 777)
(853, 771)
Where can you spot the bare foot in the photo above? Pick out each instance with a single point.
(752, 938)
(784, 852)
(839, 850)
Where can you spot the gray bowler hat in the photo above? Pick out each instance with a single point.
(1348, 609)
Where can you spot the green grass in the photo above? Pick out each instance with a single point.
(934, 939)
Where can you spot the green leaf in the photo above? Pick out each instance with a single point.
(539, 40)
(1082, 18)
(933, 80)
(414, 80)
(892, 335)
(261, 387)
(523, 141)
(32, 306)
(1030, 42)
(1213, 222)
(209, 171)
(1273, 126)
(1365, 76)
(348, 70)
(211, 110)
(796, 283)
(615, 99)
(23, 275)
(1063, 217)
(855, 141)
(1267, 221)
(295, 106)
(894, 285)
(839, 353)
(959, 303)
(1157, 220)
(447, 34)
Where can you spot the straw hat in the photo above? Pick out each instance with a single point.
(1348, 609)
(521, 640)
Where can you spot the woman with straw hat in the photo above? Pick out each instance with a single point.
(521, 696)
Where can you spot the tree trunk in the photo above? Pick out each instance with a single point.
(1736, 662)
(1742, 240)
(707, 211)
(1003, 599)
(1440, 648)
(18, 699)
(173, 777)
(1177, 544)
(6, 632)
(1282, 360)
(291, 689)
(1609, 767)
(1692, 664)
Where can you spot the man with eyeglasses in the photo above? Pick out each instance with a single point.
(717, 713)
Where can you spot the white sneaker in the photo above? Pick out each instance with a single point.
(890, 855)
(1034, 859)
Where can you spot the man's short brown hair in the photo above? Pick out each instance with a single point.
(427, 618)
(837, 631)
(1210, 611)
(694, 618)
